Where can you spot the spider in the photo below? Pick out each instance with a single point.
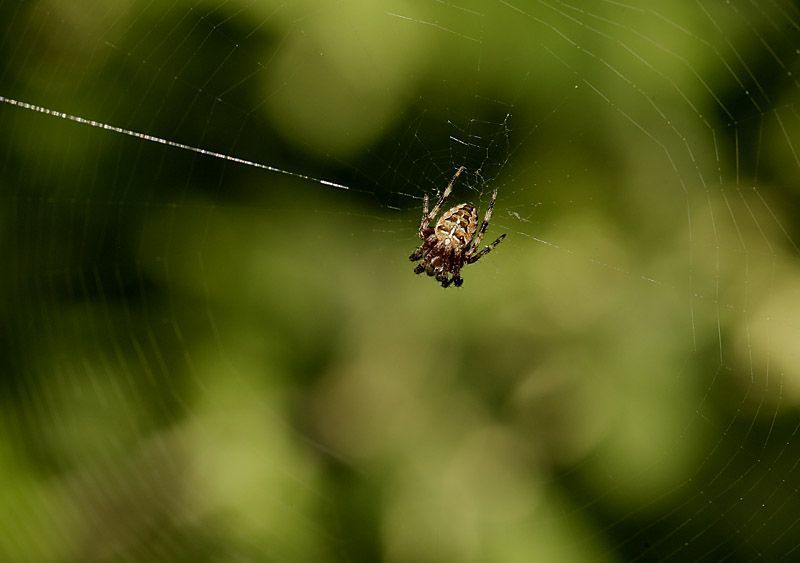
(452, 242)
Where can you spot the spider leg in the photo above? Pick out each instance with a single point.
(453, 264)
(426, 218)
(441, 276)
(446, 282)
(458, 262)
(474, 258)
(486, 218)
(446, 268)
(419, 252)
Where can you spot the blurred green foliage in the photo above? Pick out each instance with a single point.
(209, 362)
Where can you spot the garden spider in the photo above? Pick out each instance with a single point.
(449, 245)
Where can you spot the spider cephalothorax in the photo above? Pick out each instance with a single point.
(452, 242)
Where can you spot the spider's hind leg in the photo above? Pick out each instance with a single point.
(428, 216)
(486, 250)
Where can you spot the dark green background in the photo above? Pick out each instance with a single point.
(213, 362)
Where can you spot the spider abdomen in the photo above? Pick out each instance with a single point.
(456, 226)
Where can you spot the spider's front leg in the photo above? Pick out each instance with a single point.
(442, 269)
(421, 250)
(451, 268)
(417, 254)
(458, 262)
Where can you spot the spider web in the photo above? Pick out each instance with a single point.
(213, 342)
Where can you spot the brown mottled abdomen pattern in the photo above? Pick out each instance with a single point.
(456, 226)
